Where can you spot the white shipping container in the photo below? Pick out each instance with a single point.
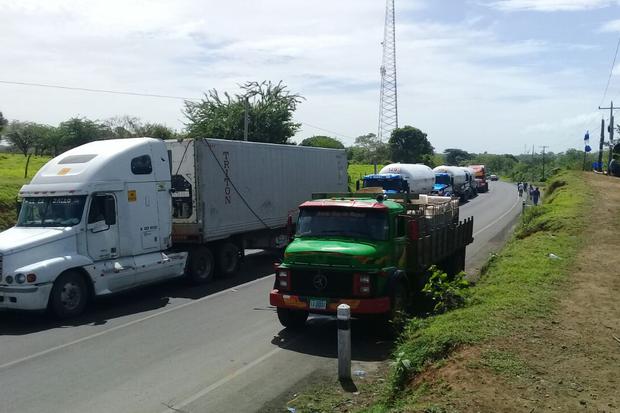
(224, 188)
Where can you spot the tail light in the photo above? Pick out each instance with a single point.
(283, 279)
(361, 284)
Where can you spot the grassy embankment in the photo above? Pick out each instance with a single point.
(11, 179)
(518, 287)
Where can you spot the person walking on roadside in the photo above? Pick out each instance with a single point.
(535, 196)
(520, 188)
(525, 187)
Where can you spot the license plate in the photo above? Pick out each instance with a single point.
(316, 304)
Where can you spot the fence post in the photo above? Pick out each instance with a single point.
(344, 342)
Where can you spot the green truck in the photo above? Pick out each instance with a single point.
(367, 251)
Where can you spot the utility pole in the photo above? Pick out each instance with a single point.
(611, 130)
(246, 118)
(599, 165)
(544, 147)
(388, 104)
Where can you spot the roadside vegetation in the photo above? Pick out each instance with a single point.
(11, 179)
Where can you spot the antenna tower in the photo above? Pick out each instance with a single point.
(388, 110)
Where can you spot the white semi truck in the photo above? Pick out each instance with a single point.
(116, 214)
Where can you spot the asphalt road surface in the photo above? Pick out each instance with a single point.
(171, 347)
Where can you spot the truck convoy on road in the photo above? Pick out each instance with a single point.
(111, 215)
(402, 178)
(370, 253)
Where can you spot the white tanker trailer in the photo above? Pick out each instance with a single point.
(451, 181)
(403, 178)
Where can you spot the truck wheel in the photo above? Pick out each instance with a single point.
(292, 318)
(200, 266)
(227, 259)
(69, 295)
(392, 323)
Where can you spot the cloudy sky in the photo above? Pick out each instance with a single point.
(482, 75)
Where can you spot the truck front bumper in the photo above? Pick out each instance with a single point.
(28, 297)
(379, 305)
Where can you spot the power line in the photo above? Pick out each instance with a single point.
(327, 130)
(611, 72)
(84, 89)
(128, 93)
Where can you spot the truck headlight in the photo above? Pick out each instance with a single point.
(20, 278)
(9, 279)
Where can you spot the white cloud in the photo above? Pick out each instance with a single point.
(551, 5)
(611, 26)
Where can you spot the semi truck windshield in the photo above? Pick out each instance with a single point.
(65, 211)
(342, 223)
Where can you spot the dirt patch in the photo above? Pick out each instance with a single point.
(568, 362)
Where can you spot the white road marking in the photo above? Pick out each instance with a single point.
(519, 202)
(179, 406)
(128, 324)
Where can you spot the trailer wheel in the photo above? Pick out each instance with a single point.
(228, 259)
(200, 265)
(69, 295)
(292, 318)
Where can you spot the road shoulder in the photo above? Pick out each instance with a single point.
(566, 360)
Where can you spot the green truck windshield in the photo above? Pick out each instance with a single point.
(62, 211)
(343, 223)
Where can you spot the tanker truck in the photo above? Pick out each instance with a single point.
(451, 181)
(415, 179)
(471, 185)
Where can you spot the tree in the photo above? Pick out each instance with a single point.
(3, 122)
(25, 136)
(410, 145)
(78, 131)
(456, 156)
(157, 131)
(270, 110)
(322, 142)
(369, 149)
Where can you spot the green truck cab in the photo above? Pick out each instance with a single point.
(366, 251)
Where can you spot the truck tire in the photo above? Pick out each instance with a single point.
(227, 259)
(292, 318)
(200, 265)
(393, 322)
(69, 295)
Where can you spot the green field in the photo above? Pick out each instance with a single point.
(11, 179)
(358, 171)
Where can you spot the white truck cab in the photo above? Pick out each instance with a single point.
(95, 220)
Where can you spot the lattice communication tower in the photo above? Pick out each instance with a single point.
(388, 110)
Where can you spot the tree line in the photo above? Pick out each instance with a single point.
(263, 111)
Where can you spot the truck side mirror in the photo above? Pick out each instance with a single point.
(109, 211)
(18, 206)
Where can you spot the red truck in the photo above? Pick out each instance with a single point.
(480, 174)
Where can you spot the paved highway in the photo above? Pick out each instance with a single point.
(170, 347)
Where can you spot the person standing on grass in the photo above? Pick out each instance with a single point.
(535, 196)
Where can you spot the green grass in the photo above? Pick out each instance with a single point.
(358, 171)
(520, 286)
(11, 180)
